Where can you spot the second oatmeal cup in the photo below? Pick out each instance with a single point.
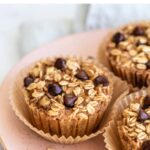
(67, 96)
(128, 52)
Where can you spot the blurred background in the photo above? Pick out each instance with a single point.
(23, 28)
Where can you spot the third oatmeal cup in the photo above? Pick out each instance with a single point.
(67, 96)
(128, 53)
(130, 130)
(134, 124)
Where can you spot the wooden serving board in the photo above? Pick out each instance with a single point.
(14, 135)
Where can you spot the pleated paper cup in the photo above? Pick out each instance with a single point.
(111, 136)
(67, 127)
(134, 76)
(37, 121)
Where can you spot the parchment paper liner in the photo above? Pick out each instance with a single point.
(111, 136)
(134, 76)
(20, 108)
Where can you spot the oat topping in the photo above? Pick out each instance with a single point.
(72, 85)
(135, 122)
(130, 47)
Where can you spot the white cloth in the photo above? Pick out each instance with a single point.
(36, 33)
(9, 53)
(114, 15)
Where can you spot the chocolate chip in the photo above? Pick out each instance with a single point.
(82, 75)
(142, 116)
(146, 102)
(90, 57)
(118, 37)
(101, 80)
(28, 80)
(138, 31)
(148, 64)
(60, 63)
(146, 145)
(54, 89)
(69, 100)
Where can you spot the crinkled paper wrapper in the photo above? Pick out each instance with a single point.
(21, 110)
(111, 136)
(136, 77)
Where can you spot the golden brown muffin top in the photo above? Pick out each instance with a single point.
(129, 47)
(134, 122)
(67, 85)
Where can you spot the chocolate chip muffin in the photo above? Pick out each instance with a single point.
(128, 53)
(134, 124)
(67, 96)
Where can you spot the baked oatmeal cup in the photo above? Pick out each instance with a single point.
(128, 53)
(67, 96)
(134, 124)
